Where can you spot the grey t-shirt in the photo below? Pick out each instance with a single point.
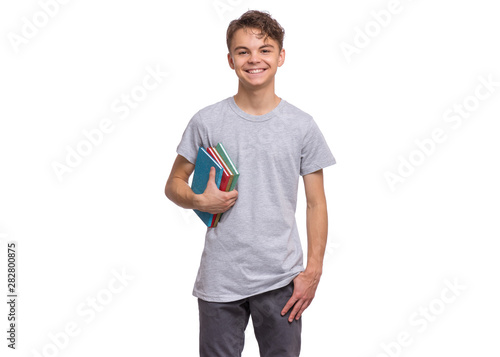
(255, 246)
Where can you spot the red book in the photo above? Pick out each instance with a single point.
(225, 176)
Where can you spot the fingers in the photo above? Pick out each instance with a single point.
(294, 312)
(211, 179)
(218, 201)
(298, 309)
(288, 305)
(299, 305)
(299, 300)
(231, 196)
(211, 176)
(229, 203)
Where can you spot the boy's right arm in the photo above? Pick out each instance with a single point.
(178, 191)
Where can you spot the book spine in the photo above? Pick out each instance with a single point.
(225, 181)
(225, 176)
(222, 152)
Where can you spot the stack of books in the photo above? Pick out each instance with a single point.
(226, 176)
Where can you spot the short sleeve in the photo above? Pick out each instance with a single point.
(315, 153)
(192, 139)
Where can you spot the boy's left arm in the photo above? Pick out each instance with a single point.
(306, 283)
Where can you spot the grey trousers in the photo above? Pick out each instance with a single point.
(222, 325)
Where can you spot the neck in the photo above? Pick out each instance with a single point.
(256, 101)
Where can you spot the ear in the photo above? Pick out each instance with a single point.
(281, 58)
(230, 60)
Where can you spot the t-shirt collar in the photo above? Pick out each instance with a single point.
(256, 118)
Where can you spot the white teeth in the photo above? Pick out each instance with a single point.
(255, 71)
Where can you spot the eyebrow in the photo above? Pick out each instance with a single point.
(246, 48)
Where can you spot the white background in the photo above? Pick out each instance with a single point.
(389, 252)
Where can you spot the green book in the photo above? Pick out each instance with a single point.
(222, 152)
(234, 177)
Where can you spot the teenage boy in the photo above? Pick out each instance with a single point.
(252, 262)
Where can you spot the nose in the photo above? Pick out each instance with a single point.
(254, 57)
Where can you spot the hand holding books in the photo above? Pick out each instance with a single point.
(214, 200)
(223, 177)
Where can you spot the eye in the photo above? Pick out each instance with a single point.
(242, 52)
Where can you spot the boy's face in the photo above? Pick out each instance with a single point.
(254, 60)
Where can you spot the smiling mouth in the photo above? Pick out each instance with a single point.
(256, 70)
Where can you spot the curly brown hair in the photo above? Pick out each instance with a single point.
(263, 21)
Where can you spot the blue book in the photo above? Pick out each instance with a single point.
(204, 161)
